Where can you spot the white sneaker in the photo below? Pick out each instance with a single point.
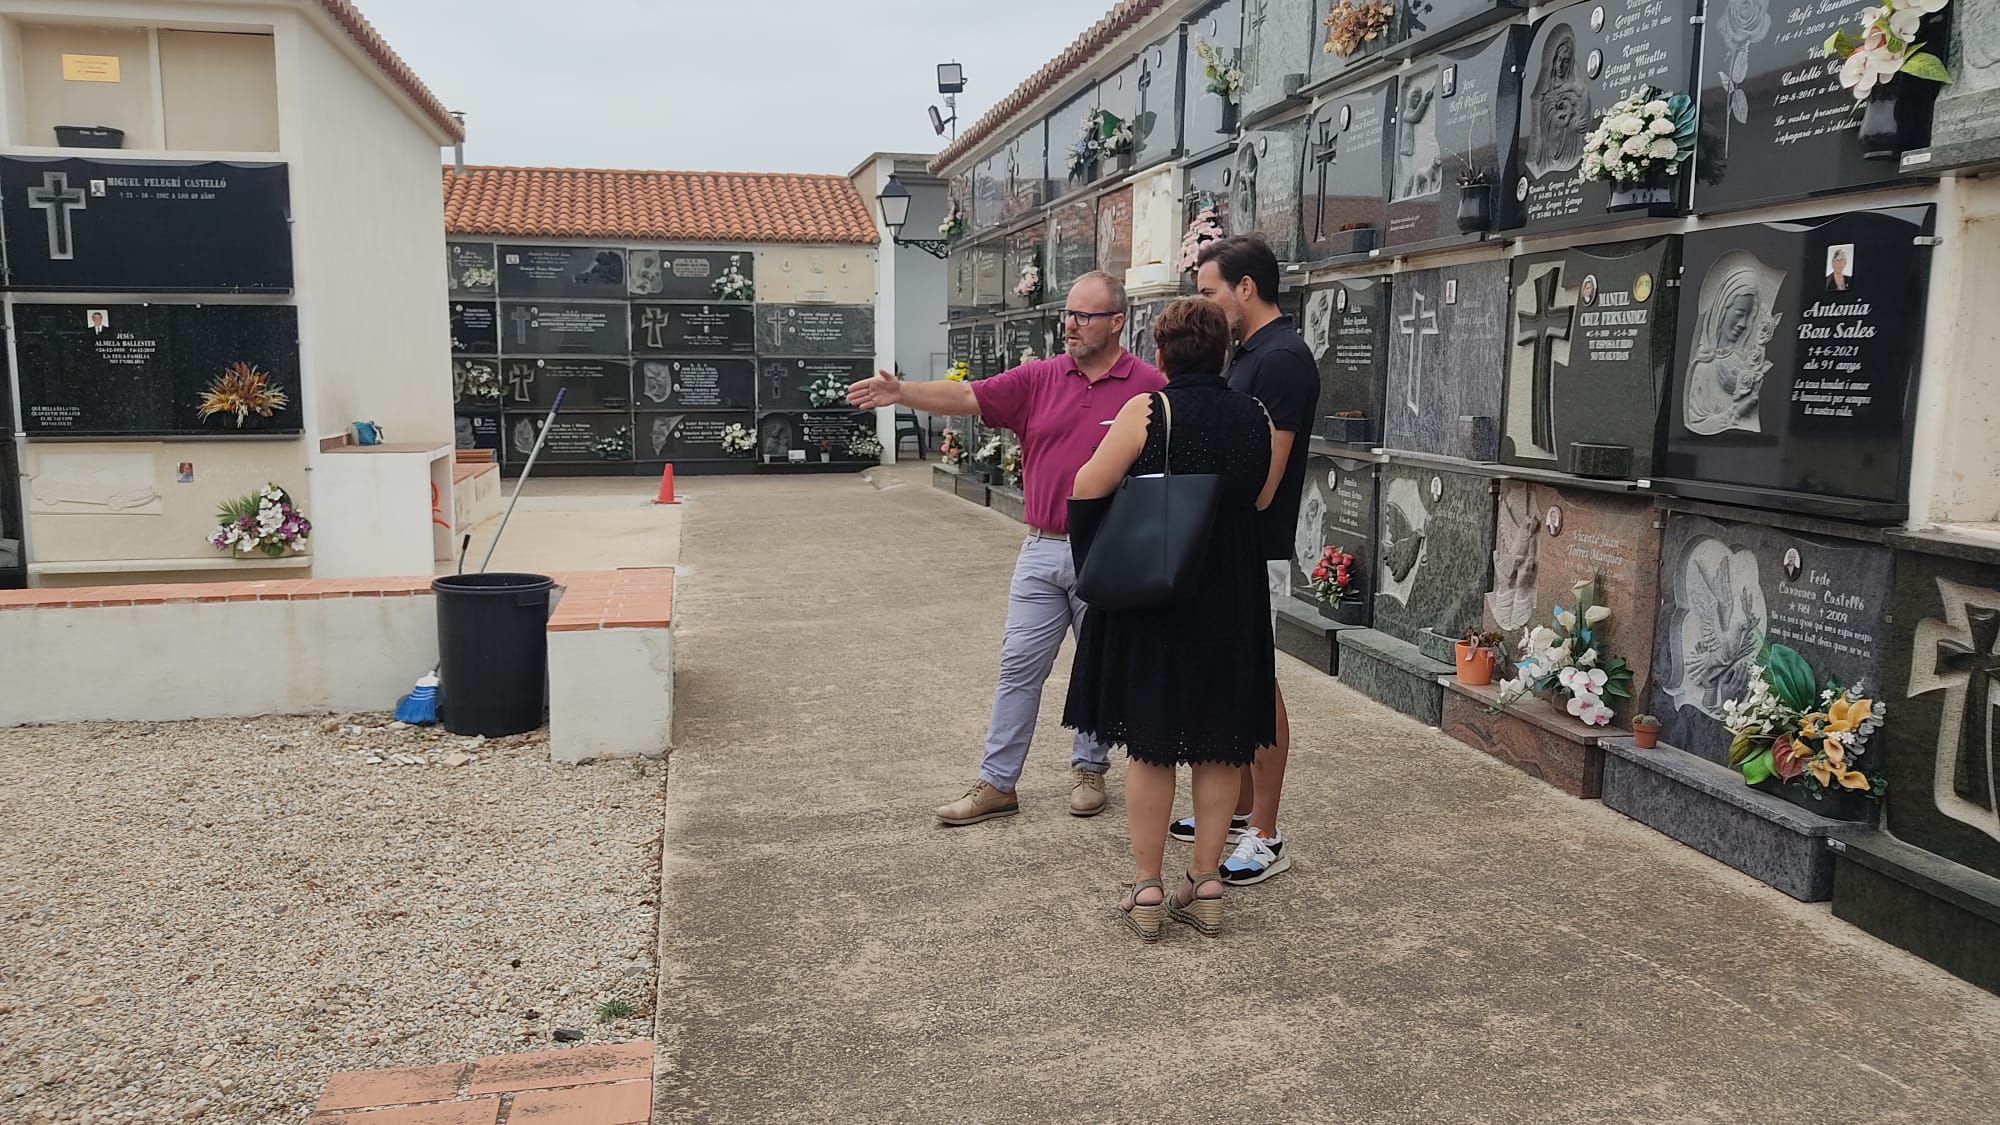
(1256, 859)
(1183, 830)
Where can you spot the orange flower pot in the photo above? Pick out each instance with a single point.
(1474, 666)
(1645, 737)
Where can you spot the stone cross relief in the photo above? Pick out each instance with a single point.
(520, 377)
(1540, 330)
(521, 319)
(1407, 323)
(654, 321)
(1960, 655)
(59, 202)
(1326, 153)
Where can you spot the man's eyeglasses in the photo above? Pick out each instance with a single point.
(1077, 317)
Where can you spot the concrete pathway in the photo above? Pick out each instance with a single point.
(577, 523)
(1457, 941)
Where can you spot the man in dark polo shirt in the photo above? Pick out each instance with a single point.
(1059, 408)
(1272, 364)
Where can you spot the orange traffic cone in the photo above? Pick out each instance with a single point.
(667, 487)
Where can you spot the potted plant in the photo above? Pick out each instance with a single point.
(1476, 656)
(1332, 584)
(1565, 665)
(1352, 27)
(265, 522)
(1792, 732)
(825, 450)
(1475, 194)
(1646, 732)
(1639, 146)
(1870, 63)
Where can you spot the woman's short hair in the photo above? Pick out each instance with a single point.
(1192, 335)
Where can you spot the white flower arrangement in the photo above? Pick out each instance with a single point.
(737, 438)
(733, 286)
(1885, 49)
(1225, 79)
(479, 379)
(1119, 140)
(1646, 136)
(1566, 661)
(266, 521)
(1088, 146)
(863, 445)
(477, 277)
(992, 451)
(827, 390)
(954, 221)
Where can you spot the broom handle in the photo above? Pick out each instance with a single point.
(523, 479)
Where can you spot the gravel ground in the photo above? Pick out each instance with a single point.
(203, 920)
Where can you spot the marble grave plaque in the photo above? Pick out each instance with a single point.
(685, 275)
(1337, 508)
(574, 438)
(1455, 119)
(1114, 232)
(714, 329)
(590, 383)
(475, 328)
(1346, 324)
(782, 383)
(811, 432)
(1265, 187)
(1446, 337)
(469, 269)
(815, 330)
(478, 431)
(1591, 336)
(562, 271)
(1024, 248)
(1423, 24)
(1208, 119)
(1072, 244)
(1583, 60)
(989, 191)
(1345, 198)
(986, 351)
(989, 275)
(1795, 373)
(688, 437)
(695, 384)
(1775, 122)
(1156, 132)
(1434, 549)
(1279, 37)
(1139, 329)
(1208, 184)
(562, 327)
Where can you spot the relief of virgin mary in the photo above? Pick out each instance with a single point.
(1733, 325)
(1561, 108)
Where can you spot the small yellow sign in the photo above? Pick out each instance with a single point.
(90, 68)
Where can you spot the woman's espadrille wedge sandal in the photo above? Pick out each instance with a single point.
(1204, 914)
(1145, 919)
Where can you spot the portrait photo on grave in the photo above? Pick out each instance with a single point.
(1786, 393)
(1590, 343)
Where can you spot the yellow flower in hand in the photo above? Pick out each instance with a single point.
(1845, 715)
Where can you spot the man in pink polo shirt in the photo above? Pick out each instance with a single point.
(1058, 407)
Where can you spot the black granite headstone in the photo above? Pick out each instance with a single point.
(1209, 118)
(986, 350)
(816, 330)
(685, 275)
(1775, 122)
(479, 431)
(1423, 24)
(717, 329)
(1447, 334)
(1795, 376)
(958, 348)
(1726, 589)
(1455, 120)
(562, 327)
(117, 370)
(989, 192)
(476, 384)
(782, 384)
(1434, 546)
(1583, 60)
(820, 435)
(1943, 744)
(1025, 170)
(688, 437)
(592, 384)
(469, 269)
(574, 438)
(1338, 509)
(1156, 130)
(562, 271)
(1347, 172)
(989, 276)
(1266, 186)
(1279, 39)
(1346, 324)
(1072, 244)
(1021, 341)
(123, 225)
(1591, 338)
(475, 328)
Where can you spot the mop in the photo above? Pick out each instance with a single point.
(419, 708)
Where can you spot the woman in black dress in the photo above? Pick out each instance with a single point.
(1189, 683)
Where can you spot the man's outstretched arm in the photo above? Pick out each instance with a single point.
(941, 397)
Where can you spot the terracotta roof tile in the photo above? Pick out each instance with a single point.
(662, 206)
(1123, 17)
(371, 43)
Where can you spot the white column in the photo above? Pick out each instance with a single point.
(885, 310)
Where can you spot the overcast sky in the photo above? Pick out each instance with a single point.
(716, 85)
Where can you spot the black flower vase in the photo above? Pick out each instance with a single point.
(1474, 208)
(1229, 116)
(1881, 128)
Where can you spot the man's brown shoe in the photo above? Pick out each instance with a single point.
(981, 802)
(1086, 794)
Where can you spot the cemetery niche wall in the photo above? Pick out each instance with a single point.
(663, 354)
(1455, 142)
(1795, 371)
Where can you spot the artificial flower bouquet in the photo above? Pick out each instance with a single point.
(1564, 663)
(1807, 734)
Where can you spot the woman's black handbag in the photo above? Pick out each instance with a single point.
(1150, 546)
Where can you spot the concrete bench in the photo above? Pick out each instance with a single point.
(298, 646)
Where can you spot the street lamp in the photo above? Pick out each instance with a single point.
(894, 200)
(950, 83)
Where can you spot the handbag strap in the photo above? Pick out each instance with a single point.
(1167, 435)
